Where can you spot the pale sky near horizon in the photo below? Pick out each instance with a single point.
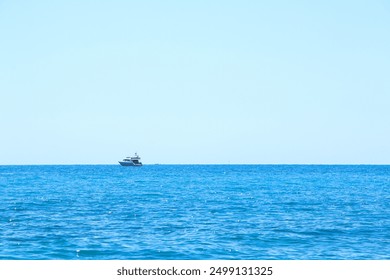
(90, 82)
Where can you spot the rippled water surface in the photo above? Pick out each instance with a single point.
(195, 212)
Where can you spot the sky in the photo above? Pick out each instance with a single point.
(195, 82)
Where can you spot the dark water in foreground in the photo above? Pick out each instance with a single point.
(195, 212)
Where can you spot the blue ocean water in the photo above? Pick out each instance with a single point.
(195, 212)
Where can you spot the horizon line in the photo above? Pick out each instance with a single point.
(69, 164)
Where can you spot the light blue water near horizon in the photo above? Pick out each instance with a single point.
(195, 212)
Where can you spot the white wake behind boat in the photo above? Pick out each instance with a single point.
(131, 161)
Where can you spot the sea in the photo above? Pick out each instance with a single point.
(195, 212)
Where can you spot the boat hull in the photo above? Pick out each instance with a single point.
(129, 163)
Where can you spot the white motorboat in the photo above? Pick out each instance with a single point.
(131, 161)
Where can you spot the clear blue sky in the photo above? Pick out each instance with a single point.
(195, 81)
